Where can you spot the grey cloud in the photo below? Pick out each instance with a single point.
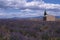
(23, 4)
(36, 7)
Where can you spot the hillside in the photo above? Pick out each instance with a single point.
(13, 29)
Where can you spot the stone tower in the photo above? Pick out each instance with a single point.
(45, 14)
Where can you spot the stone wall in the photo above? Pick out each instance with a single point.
(50, 18)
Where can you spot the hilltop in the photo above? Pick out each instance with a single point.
(13, 29)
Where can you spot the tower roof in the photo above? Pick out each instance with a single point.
(45, 13)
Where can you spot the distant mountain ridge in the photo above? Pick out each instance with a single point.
(57, 16)
(38, 17)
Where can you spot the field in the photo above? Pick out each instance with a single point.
(20, 29)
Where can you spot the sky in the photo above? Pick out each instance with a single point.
(28, 8)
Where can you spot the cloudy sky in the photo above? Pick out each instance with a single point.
(28, 8)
